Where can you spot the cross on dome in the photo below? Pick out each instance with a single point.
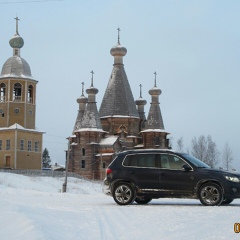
(140, 90)
(17, 19)
(82, 88)
(119, 35)
(92, 78)
(155, 81)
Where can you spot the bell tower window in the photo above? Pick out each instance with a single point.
(3, 93)
(17, 92)
(30, 94)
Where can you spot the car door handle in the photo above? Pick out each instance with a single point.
(163, 174)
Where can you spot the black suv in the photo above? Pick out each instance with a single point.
(141, 175)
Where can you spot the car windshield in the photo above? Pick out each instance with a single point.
(196, 162)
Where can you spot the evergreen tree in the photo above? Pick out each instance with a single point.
(46, 160)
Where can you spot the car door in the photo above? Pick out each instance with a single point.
(172, 178)
(141, 170)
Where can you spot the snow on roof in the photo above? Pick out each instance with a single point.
(19, 127)
(118, 116)
(90, 130)
(110, 140)
(155, 130)
(104, 154)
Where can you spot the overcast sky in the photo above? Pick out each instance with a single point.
(194, 46)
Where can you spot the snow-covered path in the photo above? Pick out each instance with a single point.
(33, 208)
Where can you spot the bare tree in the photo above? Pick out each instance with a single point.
(205, 149)
(227, 156)
(212, 152)
(199, 147)
(180, 144)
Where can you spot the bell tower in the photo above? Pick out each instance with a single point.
(20, 142)
(17, 88)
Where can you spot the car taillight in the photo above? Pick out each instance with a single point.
(108, 171)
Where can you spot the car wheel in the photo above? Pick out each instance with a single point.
(227, 201)
(123, 194)
(142, 200)
(210, 194)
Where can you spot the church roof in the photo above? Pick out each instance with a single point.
(155, 120)
(118, 98)
(89, 119)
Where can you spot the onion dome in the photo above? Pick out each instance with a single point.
(16, 41)
(16, 66)
(140, 100)
(82, 98)
(155, 90)
(118, 50)
(92, 90)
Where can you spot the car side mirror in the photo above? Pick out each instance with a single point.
(186, 167)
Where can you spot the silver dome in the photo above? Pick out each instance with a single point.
(16, 67)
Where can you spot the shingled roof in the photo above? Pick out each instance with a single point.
(118, 98)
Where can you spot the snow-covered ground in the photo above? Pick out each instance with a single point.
(33, 208)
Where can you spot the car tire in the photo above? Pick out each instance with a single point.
(210, 194)
(142, 200)
(123, 194)
(227, 201)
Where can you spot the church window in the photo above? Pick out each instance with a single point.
(36, 147)
(29, 146)
(8, 144)
(104, 165)
(83, 151)
(17, 92)
(3, 93)
(30, 94)
(22, 144)
(0, 144)
(83, 163)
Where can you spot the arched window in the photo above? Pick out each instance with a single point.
(3, 92)
(17, 92)
(30, 94)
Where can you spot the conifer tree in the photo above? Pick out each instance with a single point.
(46, 160)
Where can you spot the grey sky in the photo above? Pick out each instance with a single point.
(192, 45)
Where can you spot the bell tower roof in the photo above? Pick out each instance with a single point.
(16, 66)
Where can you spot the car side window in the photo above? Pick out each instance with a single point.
(168, 161)
(176, 163)
(140, 160)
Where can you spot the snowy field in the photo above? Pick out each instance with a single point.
(33, 208)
